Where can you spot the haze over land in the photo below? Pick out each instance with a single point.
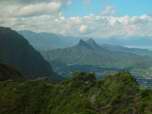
(58, 31)
(75, 57)
(125, 21)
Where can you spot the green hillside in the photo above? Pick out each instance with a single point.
(83, 94)
(17, 52)
(90, 53)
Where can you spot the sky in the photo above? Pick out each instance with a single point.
(123, 7)
(83, 18)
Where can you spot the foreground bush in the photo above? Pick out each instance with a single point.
(83, 94)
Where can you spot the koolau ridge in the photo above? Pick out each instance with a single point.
(17, 52)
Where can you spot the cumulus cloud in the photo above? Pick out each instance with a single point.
(31, 7)
(37, 9)
(91, 26)
(25, 2)
(108, 11)
(46, 16)
(83, 29)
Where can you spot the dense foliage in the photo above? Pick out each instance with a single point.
(9, 73)
(83, 94)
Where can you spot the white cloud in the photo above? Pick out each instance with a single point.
(38, 9)
(83, 29)
(108, 11)
(27, 2)
(46, 16)
(31, 7)
(91, 26)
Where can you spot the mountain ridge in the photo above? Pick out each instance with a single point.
(93, 54)
(47, 41)
(17, 52)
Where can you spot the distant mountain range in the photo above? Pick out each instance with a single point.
(67, 54)
(131, 42)
(48, 41)
(18, 53)
(137, 51)
(88, 56)
(90, 53)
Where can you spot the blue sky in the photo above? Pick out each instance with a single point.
(122, 7)
(84, 18)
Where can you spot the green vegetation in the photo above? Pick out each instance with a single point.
(9, 73)
(82, 94)
(90, 53)
(17, 52)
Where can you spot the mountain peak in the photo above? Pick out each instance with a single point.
(82, 43)
(91, 41)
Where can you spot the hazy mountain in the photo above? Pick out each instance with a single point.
(17, 52)
(134, 42)
(90, 53)
(93, 44)
(47, 41)
(83, 94)
(137, 51)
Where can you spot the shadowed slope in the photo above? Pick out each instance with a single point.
(17, 52)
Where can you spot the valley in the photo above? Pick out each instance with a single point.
(75, 56)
